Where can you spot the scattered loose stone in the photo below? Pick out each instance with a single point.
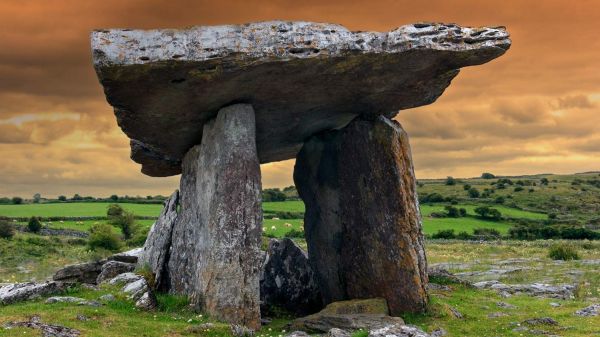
(297, 334)
(554, 304)
(439, 332)
(26, 291)
(241, 331)
(113, 268)
(107, 298)
(492, 272)
(505, 305)
(75, 300)
(48, 330)
(536, 289)
(335, 332)
(82, 318)
(125, 278)
(592, 310)
(287, 279)
(147, 301)
(455, 313)
(398, 331)
(540, 321)
(348, 315)
(80, 273)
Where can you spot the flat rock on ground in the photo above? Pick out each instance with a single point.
(302, 78)
(26, 291)
(564, 291)
(48, 330)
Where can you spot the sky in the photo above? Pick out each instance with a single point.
(536, 109)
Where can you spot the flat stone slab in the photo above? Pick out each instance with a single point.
(301, 78)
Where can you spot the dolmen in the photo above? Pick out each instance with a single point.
(212, 103)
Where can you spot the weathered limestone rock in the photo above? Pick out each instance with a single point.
(130, 256)
(113, 268)
(348, 315)
(215, 254)
(156, 249)
(288, 280)
(398, 331)
(362, 221)
(74, 300)
(80, 273)
(302, 78)
(125, 278)
(590, 311)
(17, 292)
(564, 291)
(48, 330)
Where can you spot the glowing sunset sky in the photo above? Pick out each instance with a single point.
(535, 109)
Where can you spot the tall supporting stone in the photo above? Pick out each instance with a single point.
(362, 222)
(215, 254)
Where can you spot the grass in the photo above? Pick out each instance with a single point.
(78, 209)
(283, 206)
(467, 224)
(427, 209)
(87, 224)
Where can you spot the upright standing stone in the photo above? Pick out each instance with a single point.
(362, 221)
(215, 252)
(157, 247)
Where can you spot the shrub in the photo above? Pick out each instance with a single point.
(544, 181)
(462, 211)
(17, 200)
(125, 222)
(464, 236)
(114, 210)
(563, 252)
(473, 192)
(452, 211)
(488, 213)
(7, 230)
(273, 194)
(444, 234)
(102, 236)
(518, 189)
(466, 187)
(487, 175)
(433, 197)
(62, 198)
(34, 225)
(139, 237)
(537, 231)
(450, 181)
(295, 233)
(499, 200)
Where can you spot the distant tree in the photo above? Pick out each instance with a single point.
(452, 212)
(17, 200)
(7, 230)
(518, 189)
(473, 192)
(433, 197)
(76, 197)
(462, 211)
(487, 175)
(125, 222)
(114, 210)
(544, 181)
(102, 236)
(273, 194)
(450, 181)
(499, 199)
(36, 198)
(114, 197)
(62, 198)
(551, 216)
(444, 234)
(466, 187)
(34, 225)
(488, 213)
(289, 188)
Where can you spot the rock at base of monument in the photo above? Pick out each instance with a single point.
(130, 256)
(362, 220)
(287, 279)
(155, 253)
(215, 254)
(80, 273)
(348, 315)
(17, 292)
(113, 268)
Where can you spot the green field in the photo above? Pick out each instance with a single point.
(75, 209)
(286, 206)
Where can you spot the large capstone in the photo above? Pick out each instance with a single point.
(215, 253)
(158, 243)
(362, 221)
(302, 78)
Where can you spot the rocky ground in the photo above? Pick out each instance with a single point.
(495, 289)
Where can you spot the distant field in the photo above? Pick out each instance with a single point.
(467, 224)
(285, 206)
(506, 211)
(75, 209)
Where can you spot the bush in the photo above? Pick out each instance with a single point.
(518, 189)
(563, 252)
(452, 212)
(295, 233)
(17, 200)
(125, 222)
(102, 236)
(34, 225)
(499, 200)
(433, 197)
(7, 230)
(538, 231)
(488, 213)
(464, 236)
(444, 234)
(466, 187)
(62, 198)
(450, 181)
(139, 237)
(273, 194)
(487, 175)
(462, 211)
(114, 210)
(473, 192)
